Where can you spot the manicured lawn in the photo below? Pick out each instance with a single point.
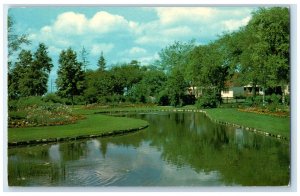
(95, 124)
(92, 125)
(271, 124)
(82, 110)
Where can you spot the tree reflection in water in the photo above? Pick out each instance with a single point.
(183, 141)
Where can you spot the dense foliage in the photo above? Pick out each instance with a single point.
(256, 54)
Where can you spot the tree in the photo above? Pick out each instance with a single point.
(99, 84)
(20, 81)
(101, 62)
(40, 70)
(148, 89)
(29, 76)
(14, 40)
(84, 58)
(175, 55)
(176, 87)
(271, 27)
(208, 68)
(14, 44)
(70, 76)
(125, 76)
(260, 50)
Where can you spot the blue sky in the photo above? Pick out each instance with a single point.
(123, 33)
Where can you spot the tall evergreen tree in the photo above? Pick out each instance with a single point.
(30, 74)
(40, 70)
(101, 62)
(19, 81)
(70, 81)
(84, 58)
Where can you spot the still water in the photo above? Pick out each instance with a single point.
(177, 149)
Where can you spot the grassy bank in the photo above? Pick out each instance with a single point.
(87, 111)
(92, 125)
(98, 124)
(272, 124)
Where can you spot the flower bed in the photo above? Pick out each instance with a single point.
(42, 115)
(256, 110)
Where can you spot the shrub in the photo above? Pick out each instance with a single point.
(53, 98)
(240, 96)
(79, 100)
(189, 99)
(25, 102)
(287, 99)
(254, 101)
(209, 99)
(163, 98)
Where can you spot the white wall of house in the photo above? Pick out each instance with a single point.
(232, 91)
(227, 94)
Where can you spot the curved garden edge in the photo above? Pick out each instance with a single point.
(258, 131)
(49, 140)
(254, 130)
(124, 131)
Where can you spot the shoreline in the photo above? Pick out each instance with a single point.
(75, 138)
(129, 130)
(255, 130)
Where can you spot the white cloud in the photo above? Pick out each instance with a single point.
(96, 49)
(70, 22)
(146, 60)
(129, 39)
(232, 24)
(177, 31)
(201, 23)
(137, 50)
(169, 16)
(103, 22)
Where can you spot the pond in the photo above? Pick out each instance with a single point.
(177, 149)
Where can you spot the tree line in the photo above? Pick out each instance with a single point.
(256, 54)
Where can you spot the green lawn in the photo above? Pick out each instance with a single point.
(268, 123)
(95, 124)
(81, 110)
(92, 125)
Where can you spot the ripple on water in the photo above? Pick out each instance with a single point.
(98, 174)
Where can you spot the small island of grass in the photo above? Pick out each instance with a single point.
(91, 126)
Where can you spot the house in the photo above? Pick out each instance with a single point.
(249, 88)
(232, 92)
(194, 90)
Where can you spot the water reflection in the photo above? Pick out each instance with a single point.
(177, 149)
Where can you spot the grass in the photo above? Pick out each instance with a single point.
(92, 125)
(97, 123)
(268, 123)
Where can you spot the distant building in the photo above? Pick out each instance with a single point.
(232, 92)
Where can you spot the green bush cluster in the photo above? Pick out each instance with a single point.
(209, 99)
(53, 98)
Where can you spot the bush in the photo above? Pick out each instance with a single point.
(241, 96)
(287, 99)
(209, 99)
(163, 98)
(189, 99)
(79, 100)
(53, 98)
(254, 101)
(24, 102)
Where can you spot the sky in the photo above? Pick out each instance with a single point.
(123, 33)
